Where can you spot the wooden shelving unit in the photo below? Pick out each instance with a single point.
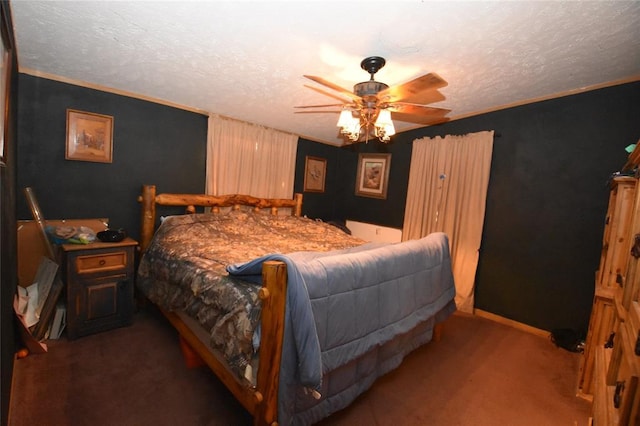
(610, 368)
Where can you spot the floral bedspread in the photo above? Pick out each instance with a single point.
(184, 269)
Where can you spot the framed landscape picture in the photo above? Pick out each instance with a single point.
(315, 170)
(373, 175)
(89, 136)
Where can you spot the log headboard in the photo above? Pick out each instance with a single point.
(149, 200)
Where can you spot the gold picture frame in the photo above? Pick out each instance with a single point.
(315, 170)
(89, 136)
(373, 175)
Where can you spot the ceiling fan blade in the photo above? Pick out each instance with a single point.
(332, 95)
(317, 112)
(321, 106)
(419, 119)
(426, 97)
(412, 88)
(335, 87)
(416, 109)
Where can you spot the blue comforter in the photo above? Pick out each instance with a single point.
(341, 304)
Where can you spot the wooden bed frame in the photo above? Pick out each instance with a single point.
(261, 401)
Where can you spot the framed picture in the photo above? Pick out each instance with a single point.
(315, 170)
(373, 175)
(5, 76)
(89, 137)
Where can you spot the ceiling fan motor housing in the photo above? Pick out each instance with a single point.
(368, 92)
(369, 88)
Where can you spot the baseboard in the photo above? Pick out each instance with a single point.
(511, 323)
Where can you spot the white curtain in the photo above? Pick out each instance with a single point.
(447, 192)
(244, 158)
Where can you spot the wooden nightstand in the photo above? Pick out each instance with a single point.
(99, 285)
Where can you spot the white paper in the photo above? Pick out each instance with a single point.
(31, 299)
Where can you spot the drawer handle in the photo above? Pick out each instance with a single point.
(102, 262)
(619, 279)
(635, 249)
(609, 343)
(617, 396)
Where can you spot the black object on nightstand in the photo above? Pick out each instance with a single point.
(99, 281)
(111, 235)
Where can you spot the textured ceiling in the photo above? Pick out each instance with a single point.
(246, 60)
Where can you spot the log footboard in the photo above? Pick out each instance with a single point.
(262, 400)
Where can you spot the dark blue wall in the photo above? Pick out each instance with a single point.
(545, 209)
(546, 203)
(152, 144)
(319, 204)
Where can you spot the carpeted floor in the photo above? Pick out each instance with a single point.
(480, 373)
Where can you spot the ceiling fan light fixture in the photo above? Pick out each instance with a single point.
(384, 128)
(349, 125)
(345, 119)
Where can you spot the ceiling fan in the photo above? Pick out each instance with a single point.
(368, 110)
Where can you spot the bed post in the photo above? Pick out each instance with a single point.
(297, 210)
(148, 218)
(437, 332)
(273, 295)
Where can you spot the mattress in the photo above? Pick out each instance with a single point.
(184, 269)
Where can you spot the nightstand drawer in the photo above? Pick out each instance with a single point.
(89, 264)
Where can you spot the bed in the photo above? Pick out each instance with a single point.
(295, 316)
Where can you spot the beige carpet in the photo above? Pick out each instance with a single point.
(480, 373)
